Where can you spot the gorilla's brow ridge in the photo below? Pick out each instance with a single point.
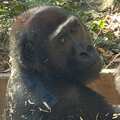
(70, 19)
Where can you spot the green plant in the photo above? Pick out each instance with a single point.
(96, 26)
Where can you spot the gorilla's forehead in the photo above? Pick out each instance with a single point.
(64, 25)
(47, 20)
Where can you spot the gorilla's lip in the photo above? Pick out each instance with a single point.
(97, 63)
(92, 67)
(94, 64)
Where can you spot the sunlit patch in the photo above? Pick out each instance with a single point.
(112, 24)
(115, 116)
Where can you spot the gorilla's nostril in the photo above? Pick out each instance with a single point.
(89, 48)
(83, 55)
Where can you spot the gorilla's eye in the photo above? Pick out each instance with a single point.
(74, 29)
(61, 41)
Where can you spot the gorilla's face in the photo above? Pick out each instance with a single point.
(71, 50)
(62, 45)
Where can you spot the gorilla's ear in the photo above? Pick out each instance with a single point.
(29, 51)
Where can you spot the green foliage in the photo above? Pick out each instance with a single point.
(106, 60)
(101, 24)
(97, 25)
(118, 1)
(106, 43)
(105, 30)
(9, 9)
(1, 10)
(82, 15)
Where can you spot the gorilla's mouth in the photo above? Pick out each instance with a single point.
(86, 68)
(96, 66)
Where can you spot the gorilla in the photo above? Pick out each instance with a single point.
(52, 60)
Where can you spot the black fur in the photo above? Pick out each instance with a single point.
(52, 58)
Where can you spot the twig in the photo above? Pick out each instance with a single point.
(4, 40)
(8, 70)
(97, 37)
(112, 60)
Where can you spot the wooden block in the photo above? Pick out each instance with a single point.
(106, 87)
(3, 83)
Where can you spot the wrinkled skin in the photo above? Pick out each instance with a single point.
(52, 58)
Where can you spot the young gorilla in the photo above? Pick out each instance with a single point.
(53, 57)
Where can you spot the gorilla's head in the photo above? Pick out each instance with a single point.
(55, 42)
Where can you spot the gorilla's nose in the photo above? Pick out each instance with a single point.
(85, 50)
